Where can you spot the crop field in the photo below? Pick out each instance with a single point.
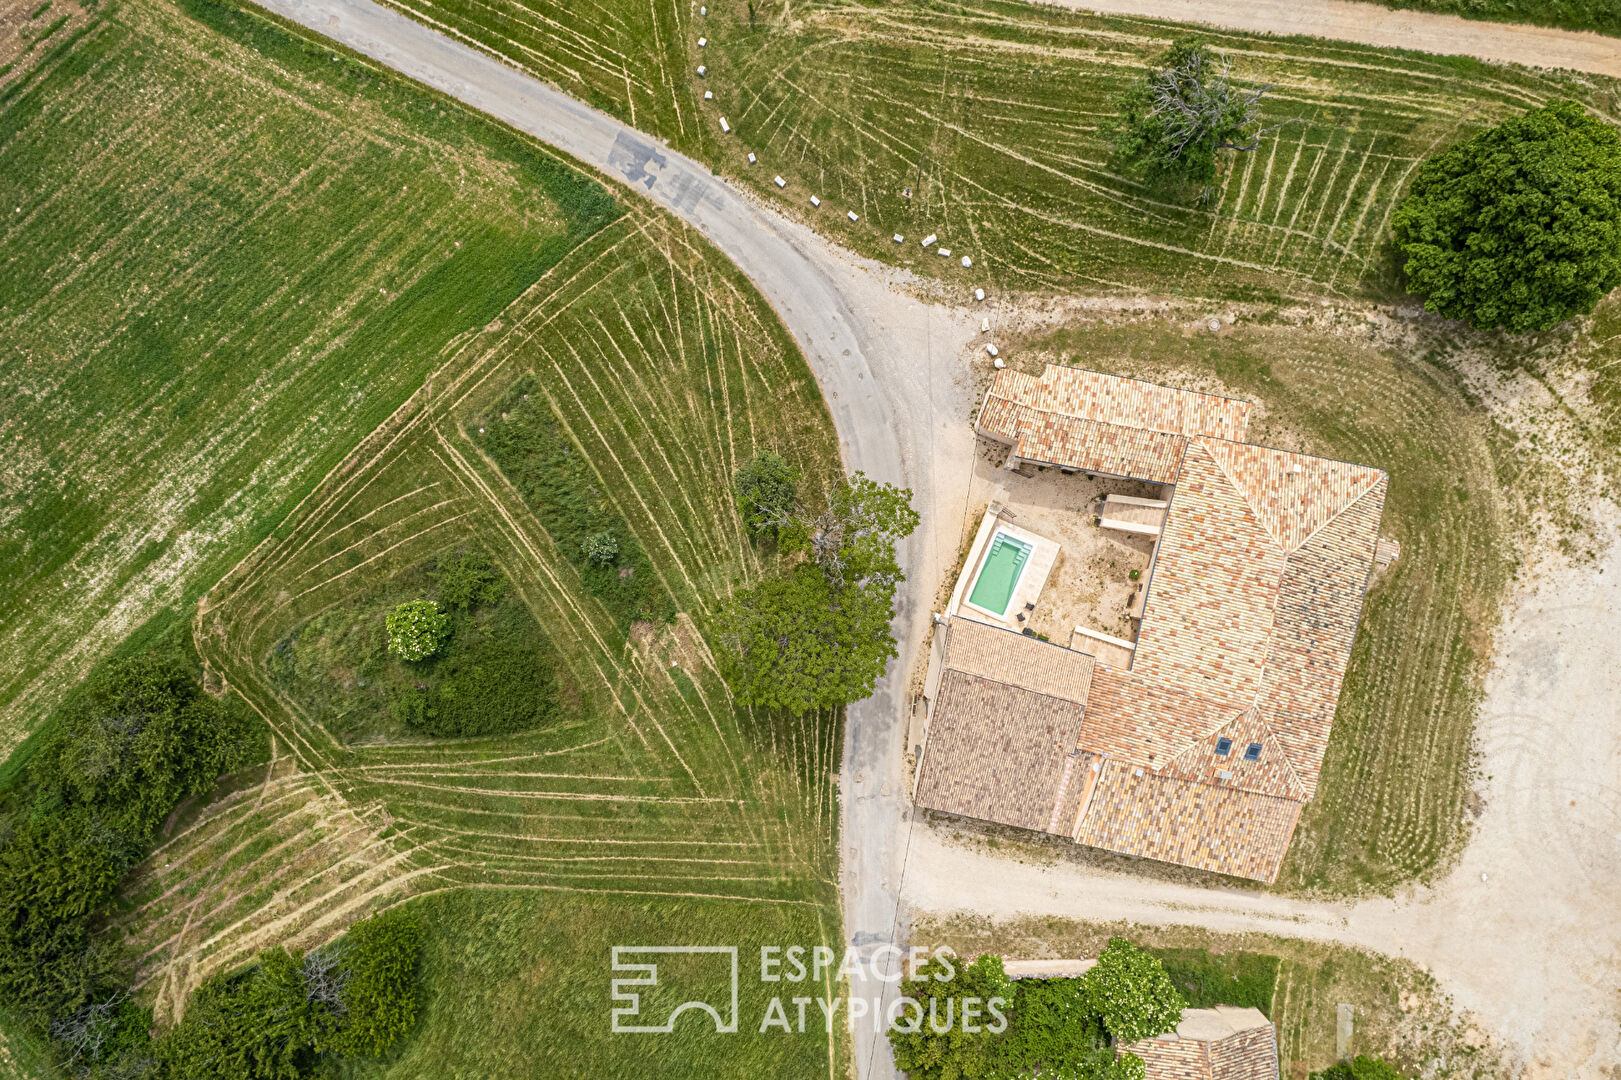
(225, 256)
(1398, 768)
(986, 126)
(1400, 1013)
(653, 794)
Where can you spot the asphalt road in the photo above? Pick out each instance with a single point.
(871, 349)
(1375, 24)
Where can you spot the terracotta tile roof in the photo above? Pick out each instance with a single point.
(1207, 618)
(1291, 495)
(1272, 773)
(1251, 612)
(1148, 721)
(1103, 423)
(1030, 663)
(1319, 605)
(1223, 1043)
(1220, 829)
(997, 752)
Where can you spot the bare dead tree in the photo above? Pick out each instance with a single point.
(325, 978)
(87, 1032)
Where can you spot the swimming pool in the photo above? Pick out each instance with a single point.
(999, 574)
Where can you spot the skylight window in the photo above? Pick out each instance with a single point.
(1252, 752)
(1224, 747)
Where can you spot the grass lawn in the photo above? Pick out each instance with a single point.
(225, 256)
(1400, 1012)
(1394, 783)
(985, 125)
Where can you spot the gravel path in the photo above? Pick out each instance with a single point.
(1375, 24)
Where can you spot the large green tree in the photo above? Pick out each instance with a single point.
(1520, 226)
(1175, 120)
(1131, 992)
(818, 636)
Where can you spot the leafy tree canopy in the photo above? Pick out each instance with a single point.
(1520, 226)
(767, 489)
(1177, 118)
(947, 1050)
(1131, 992)
(253, 1025)
(136, 739)
(377, 971)
(799, 642)
(853, 538)
(416, 629)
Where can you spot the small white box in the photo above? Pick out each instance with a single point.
(815, 201)
(991, 349)
(752, 158)
(709, 95)
(966, 261)
(724, 126)
(852, 216)
(929, 239)
(979, 294)
(899, 238)
(703, 11)
(999, 364)
(945, 253)
(702, 70)
(702, 42)
(779, 181)
(985, 325)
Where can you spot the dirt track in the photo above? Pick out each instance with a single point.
(1523, 931)
(1374, 24)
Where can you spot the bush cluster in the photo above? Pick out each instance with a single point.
(416, 629)
(137, 738)
(277, 1019)
(1072, 1029)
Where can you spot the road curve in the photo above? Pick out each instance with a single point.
(874, 354)
(1375, 24)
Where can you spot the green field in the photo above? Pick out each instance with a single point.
(662, 371)
(984, 125)
(282, 295)
(213, 283)
(1401, 1014)
(1398, 765)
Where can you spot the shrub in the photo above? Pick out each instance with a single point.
(501, 686)
(1361, 1067)
(416, 629)
(767, 490)
(931, 1054)
(377, 965)
(1520, 226)
(257, 1024)
(467, 580)
(1130, 991)
(600, 548)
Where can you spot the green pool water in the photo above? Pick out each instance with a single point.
(999, 573)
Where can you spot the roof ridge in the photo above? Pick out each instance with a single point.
(1378, 475)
